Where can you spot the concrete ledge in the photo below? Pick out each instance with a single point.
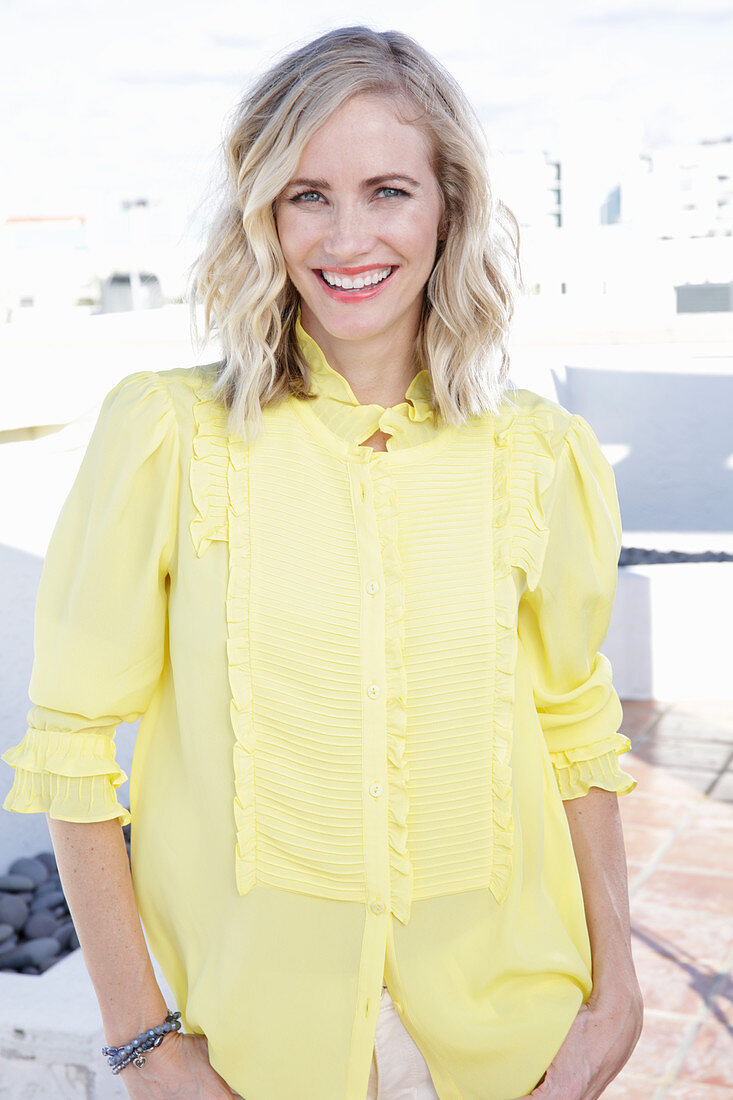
(51, 1035)
(670, 630)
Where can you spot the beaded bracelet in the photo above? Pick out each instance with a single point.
(119, 1057)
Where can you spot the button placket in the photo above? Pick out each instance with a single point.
(374, 710)
(386, 505)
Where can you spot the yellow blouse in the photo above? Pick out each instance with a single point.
(366, 682)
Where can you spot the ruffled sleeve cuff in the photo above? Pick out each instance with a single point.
(71, 776)
(577, 770)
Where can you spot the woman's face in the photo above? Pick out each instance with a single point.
(358, 225)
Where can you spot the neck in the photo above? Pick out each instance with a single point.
(379, 369)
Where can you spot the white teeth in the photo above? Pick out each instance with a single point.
(344, 282)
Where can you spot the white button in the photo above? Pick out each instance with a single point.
(376, 789)
(377, 906)
(373, 691)
(372, 587)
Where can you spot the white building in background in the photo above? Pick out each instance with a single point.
(62, 261)
(532, 184)
(45, 261)
(635, 238)
(676, 191)
(681, 191)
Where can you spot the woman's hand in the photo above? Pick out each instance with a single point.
(179, 1069)
(595, 1049)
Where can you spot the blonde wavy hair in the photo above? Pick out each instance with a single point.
(240, 278)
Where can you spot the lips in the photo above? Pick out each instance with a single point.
(357, 270)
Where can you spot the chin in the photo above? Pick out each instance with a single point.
(353, 327)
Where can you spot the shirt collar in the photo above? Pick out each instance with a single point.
(410, 422)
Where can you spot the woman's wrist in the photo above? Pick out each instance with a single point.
(121, 1021)
(616, 988)
(137, 1047)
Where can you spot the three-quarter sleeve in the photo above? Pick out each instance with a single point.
(101, 608)
(564, 619)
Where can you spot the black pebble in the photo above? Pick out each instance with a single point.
(32, 953)
(31, 868)
(638, 555)
(48, 901)
(64, 933)
(49, 887)
(73, 941)
(15, 884)
(13, 911)
(48, 859)
(40, 925)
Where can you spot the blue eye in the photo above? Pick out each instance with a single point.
(394, 191)
(305, 195)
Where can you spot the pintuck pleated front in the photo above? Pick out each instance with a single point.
(447, 781)
(366, 681)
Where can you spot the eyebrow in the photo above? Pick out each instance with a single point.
(323, 185)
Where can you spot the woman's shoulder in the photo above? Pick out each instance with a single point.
(154, 393)
(528, 403)
(196, 379)
(137, 386)
(527, 419)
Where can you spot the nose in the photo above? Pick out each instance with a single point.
(350, 234)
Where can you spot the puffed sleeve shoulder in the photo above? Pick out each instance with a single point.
(101, 608)
(564, 619)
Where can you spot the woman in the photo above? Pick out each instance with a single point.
(356, 591)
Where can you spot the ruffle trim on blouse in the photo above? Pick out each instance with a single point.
(208, 474)
(525, 448)
(72, 776)
(536, 441)
(401, 869)
(220, 486)
(577, 770)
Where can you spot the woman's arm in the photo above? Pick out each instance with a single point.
(595, 828)
(608, 1027)
(95, 875)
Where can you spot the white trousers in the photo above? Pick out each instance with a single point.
(399, 1071)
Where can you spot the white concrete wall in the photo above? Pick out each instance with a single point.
(669, 637)
(661, 405)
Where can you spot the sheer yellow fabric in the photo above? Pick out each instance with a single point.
(366, 682)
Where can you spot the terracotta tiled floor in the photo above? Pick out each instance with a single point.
(678, 826)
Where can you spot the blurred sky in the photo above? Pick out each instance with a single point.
(131, 99)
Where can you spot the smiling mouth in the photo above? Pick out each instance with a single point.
(362, 281)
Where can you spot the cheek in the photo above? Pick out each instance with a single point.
(290, 233)
(418, 234)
